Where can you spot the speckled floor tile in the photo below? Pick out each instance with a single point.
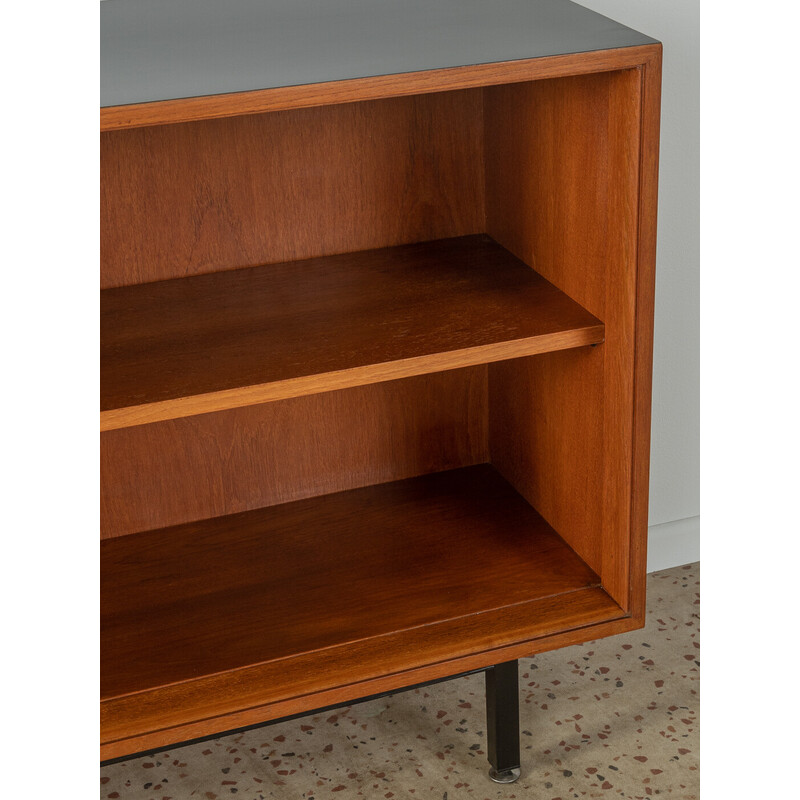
(613, 718)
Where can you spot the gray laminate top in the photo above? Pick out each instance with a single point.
(169, 49)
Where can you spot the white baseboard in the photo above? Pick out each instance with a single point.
(673, 543)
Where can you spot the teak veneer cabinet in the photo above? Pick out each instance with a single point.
(377, 313)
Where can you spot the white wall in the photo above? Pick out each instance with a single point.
(675, 455)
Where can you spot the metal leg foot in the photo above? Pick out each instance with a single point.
(509, 776)
(502, 722)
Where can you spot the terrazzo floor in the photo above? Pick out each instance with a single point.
(613, 718)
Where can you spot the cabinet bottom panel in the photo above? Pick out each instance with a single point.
(244, 618)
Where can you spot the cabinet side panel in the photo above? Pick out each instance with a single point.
(562, 178)
(193, 468)
(546, 438)
(645, 312)
(207, 196)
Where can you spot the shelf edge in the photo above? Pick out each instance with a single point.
(160, 411)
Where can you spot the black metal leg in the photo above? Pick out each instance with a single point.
(502, 721)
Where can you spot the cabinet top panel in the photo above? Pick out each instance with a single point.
(155, 50)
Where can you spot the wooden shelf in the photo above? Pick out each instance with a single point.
(206, 343)
(211, 618)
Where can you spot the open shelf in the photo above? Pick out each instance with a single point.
(200, 619)
(206, 343)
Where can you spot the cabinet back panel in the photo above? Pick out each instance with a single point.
(205, 466)
(562, 181)
(190, 198)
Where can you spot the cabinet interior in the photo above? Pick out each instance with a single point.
(314, 482)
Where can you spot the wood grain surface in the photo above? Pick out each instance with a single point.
(183, 200)
(546, 438)
(229, 593)
(177, 471)
(206, 343)
(217, 703)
